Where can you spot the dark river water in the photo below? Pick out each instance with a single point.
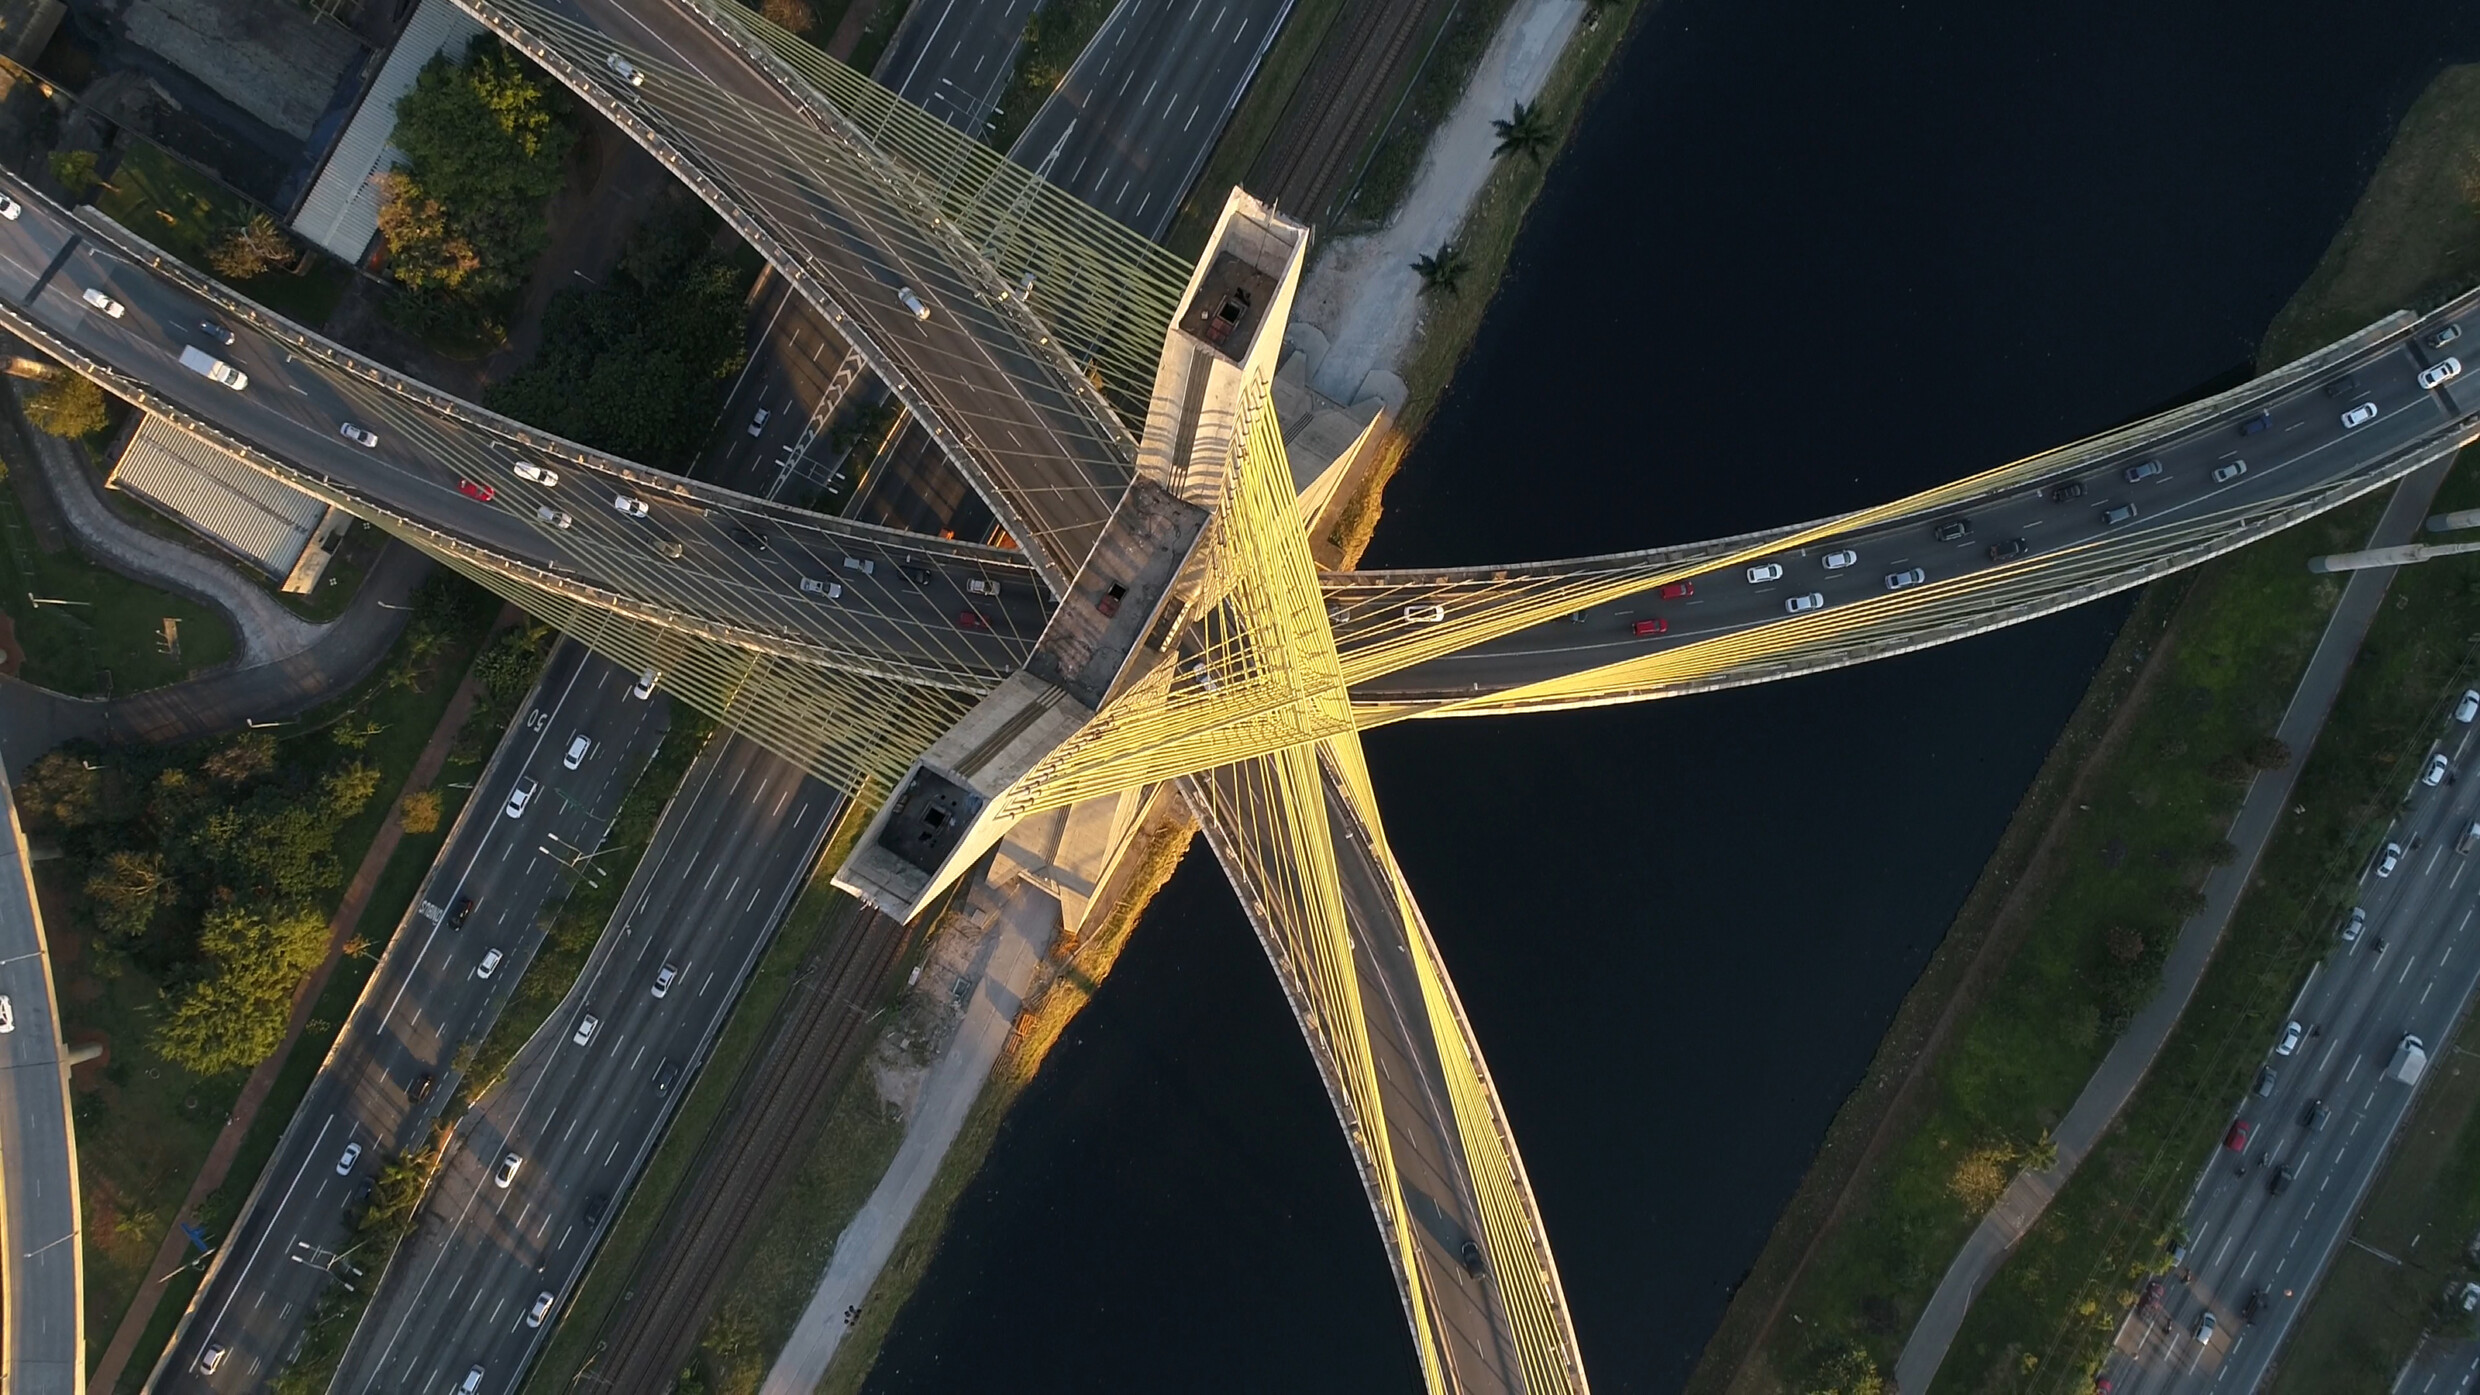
(1801, 257)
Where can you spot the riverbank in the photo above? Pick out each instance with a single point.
(2063, 933)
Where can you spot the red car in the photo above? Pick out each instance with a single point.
(1679, 590)
(971, 620)
(1655, 626)
(471, 490)
(2236, 1139)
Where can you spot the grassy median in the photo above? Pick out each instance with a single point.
(2035, 983)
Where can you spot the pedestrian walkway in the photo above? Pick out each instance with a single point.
(2115, 1081)
(170, 1255)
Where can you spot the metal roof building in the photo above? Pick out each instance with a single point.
(341, 212)
(265, 523)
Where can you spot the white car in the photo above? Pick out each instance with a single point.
(542, 1308)
(2432, 377)
(2435, 775)
(1765, 571)
(663, 979)
(2224, 474)
(1896, 581)
(2351, 927)
(758, 422)
(528, 470)
(1814, 600)
(976, 586)
(8, 1014)
(358, 434)
(912, 303)
(552, 516)
(812, 586)
(645, 684)
(1425, 614)
(624, 70)
(866, 566)
(2290, 1039)
(352, 1155)
(1844, 557)
(2360, 415)
(489, 964)
(577, 748)
(211, 1358)
(10, 208)
(632, 508)
(100, 301)
(2390, 859)
(2469, 707)
(508, 1165)
(585, 1029)
(521, 796)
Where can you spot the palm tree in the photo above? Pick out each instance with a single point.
(1526, 131)
(1442, 270)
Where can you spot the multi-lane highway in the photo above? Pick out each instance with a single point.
(2259, 446)
(43, 1346)
(707, 551)
(1132, 123)
(581, 1116)
(2267, 1216)
(953, 58)
(773, 441)
(390, 1069)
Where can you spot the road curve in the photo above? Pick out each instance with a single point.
(43, 1273)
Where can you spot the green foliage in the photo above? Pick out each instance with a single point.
(235, 1018)
(1442, 270)
(485, 139)
(636, 366)
(124, 893)
(75, 169)
(507, 669)
(67, 405)
(1849, 1371)
(63, 790)
(1526, 132)
(252, 248)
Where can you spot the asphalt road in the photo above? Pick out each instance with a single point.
(2442, 1366)
(725, 863)
(1043, 450)
(2305, 444)
(45, 1352)
(740, 559)
(2245, 1240)
(792, 378)
(425, 1001)
(1137, 115)
(953, 58)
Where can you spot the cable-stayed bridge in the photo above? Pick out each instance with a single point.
(1157, 618)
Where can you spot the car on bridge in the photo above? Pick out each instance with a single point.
(2009, 550)
(2065, 490)
(96, 298)
(552, 516)
(10, 208)
(972, 619)
(357, 433)
(1896, 581)
(2113, 515)
(528, 470)
(757, 423)
(2256, 423)
(1765, 571)
(480, 493)
(628, 507)
(1678, 591)
(2224, 474)
(216, 332)
(2360, 415)
(1953, 530)
(2438, 374)
(626, 71)
(1656, 625)
(1798, 605)
(812, 586)
(912, 303)
(2138, 474)
(1837, 560)
(1417, 614)
(2445, 336)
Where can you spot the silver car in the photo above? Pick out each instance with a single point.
(912, 303)
(2390, 859)
(2435, 376)
(1799, 605)
(1837, 560)
(1765, 571)
(2360, 415)
(520, 796)
(1896, 581)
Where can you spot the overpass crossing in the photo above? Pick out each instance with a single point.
(1096, 395)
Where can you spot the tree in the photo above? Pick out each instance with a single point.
(425, 250)
(75, 169)
(347, 789)
(795, 15)
(1850, 1371)
(508, 667)
(67, 406)
(242, 759)
(61, 791)
(254, 248)
(236, 1016)
(1526, 132)
(125, 891)
(1442, 270)
(419, 811)
(485, 141)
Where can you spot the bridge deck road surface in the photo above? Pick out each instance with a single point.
(40, 1279)
(2360, 1002)
(425, 1000)
(1131, 125)
(730, 854)
(1039, 445)
(2306, 442)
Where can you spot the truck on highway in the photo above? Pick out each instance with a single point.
(2410, 1059)
(208, 365)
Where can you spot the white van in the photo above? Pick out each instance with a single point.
(208, 365)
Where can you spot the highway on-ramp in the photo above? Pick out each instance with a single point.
(426, 1000)
(581, 1116)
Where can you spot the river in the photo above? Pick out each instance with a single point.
(1801, 257)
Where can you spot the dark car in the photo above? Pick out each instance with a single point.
(421, 1088)
(666, 1076)
(216, 332)
(1954, 530)
(2265, 1078)
(2314, 1116)
(2343, 386)
(595, 1206)
(2066, 489)
(749, 537)
(2256, 423)
(2257, 1300)
(2009, 550)
(971, 620)
(2280, 1181)
(456, 914)
(917, 574)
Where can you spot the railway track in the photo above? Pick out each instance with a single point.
(819, 1034)
(1348, 93)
